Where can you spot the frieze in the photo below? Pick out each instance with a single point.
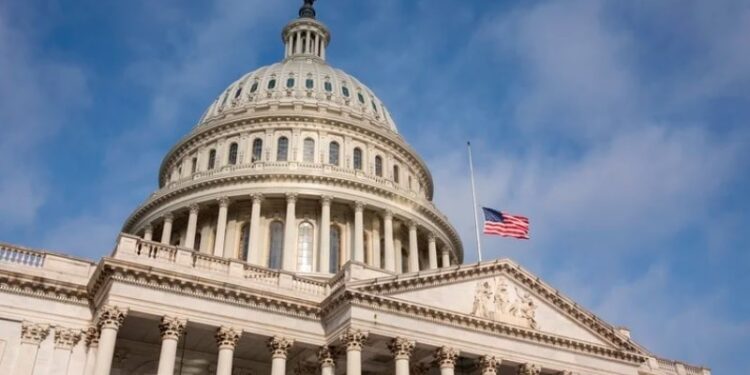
(495, 300)
(44, 288)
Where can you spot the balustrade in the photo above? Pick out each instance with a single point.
(16, 255)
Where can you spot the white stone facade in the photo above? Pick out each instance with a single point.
(262, 253)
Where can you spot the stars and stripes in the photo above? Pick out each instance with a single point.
(506, 225)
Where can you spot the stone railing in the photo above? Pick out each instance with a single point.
(21, 256)
(677, 368)
(46, 264)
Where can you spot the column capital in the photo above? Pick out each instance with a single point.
(446, 356)
(227, 337)
(431, 237)
(111, 317)
(33, 333)
(326, 200)
(168, 217)
(358, 206)
(92, 336)
(223, 202)
(148, 228)
(388, 215)
(401, 347)
(291, 198)
(257, 197)
(194, 208)
(66, 338)
(354, 339)
(279, 346)
(326, 356)
(529, 369)
(171, 327)
(488, 364)
(412, 225)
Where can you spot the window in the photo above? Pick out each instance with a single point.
(276, 245)
(335, 237)
(282, 151)
(328, 86)
(245, 242)
(290, 83)
(333, 153)
(211, 159)
(361, 98)
(374, 107)
(379, 166)
(238, 93)
(395, 174)
(232, 154)
(309, 83)
(308, 150)
(257, 149)
(358, 158)
(272, 84)
(193, 165)
(254, 87)
(410, 186)
(345, 91)
(305, 247)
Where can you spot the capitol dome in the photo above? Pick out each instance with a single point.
(298, 166)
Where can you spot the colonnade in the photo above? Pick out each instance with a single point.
(390, 233)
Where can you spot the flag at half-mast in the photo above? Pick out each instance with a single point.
(506, 225)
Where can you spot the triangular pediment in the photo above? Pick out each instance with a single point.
(501, 292)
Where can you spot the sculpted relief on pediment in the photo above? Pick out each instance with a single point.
(495, 299)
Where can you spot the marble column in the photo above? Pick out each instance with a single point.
(226, 340)
(375, 260)
(325, 235)
(110, 321)
(31, 336)
(446, 359)
(390, 262)
(488, 364)
(326, 360)
(413, 248)
(359, 232)
(397, 250)
(254, 250)
(221, 227)
(446, 258)
(290, 233)
(529, 369)
(65, 340)
(166, 229)
(148, 234)
(170, 328)
(354, 340)
(432, 251)
(279, 347)
(401, 348)
(191, 227)
(92, 345)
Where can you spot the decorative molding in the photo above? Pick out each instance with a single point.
(91, 336)
(279, 346)
(40, 287)
(66, 338)
(227, 337)
(354, 339)
(401, 347)
(171, 327)
(33, 333)
(493, 300)
(446, 356)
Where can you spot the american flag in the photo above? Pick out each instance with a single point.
(506, 225)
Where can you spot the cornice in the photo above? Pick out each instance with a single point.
(45, 288)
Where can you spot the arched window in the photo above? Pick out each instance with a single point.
(238, 93)
(245, 242)
(345, 91)
(193, 165)
(276, 245)
(328, 86)
(305, 247)
(282, 151)
(254, 87)
(290, 82)
(396, 173)
(308, 150)
(335, 237)
(232, 154)
(357, 158)
(379, 166)
(333, 153)
(211, 159)
(309, 83)
(257, 149)
(272, 84)
(361, 98)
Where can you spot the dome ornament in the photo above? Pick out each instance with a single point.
(307, 10)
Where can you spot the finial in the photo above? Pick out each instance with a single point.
(307, 10)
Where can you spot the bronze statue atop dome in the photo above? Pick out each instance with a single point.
(307, 10)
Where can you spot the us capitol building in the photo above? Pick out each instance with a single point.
(293, 232)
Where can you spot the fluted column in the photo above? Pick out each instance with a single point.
(401, 348)
(191, 227)
(326, 360)
(354, 340)
(166, 229)
(432, 251)
(254, 249)
(325, 235)
(226, 340)
(446, 258)
(359, 232)
(390, 262)
(413, 248)
(148, 234)
(279, 347)
(446, 359)
(170, 328)
(92, 345)
(397, 250)
(290, 233)
(529, 369)
(221, 227)
(375, 259)
(110, 321)
(31, 336)
(65, 340)
(488, 364)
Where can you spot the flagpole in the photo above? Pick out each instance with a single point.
(474, 198)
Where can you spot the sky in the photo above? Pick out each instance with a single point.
(621, 128)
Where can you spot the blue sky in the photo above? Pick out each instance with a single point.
(619, 127)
